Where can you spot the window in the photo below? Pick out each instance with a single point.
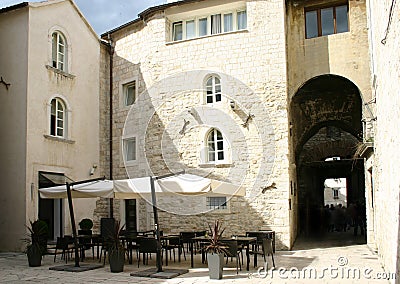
(57, 118)
(178, 31)
(216, 202)
(335, 193)
(215, 146)
(242, 20)
(216, 24)
(213, 88)
(130, 149)
(203, 27)
(213, 24)
(326, 21)
(190, 29)
(59, 51)
(129, 93)
(228, 22)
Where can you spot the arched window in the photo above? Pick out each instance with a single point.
(213, 87)
(57, 118)
(59, 51)
(215, 146)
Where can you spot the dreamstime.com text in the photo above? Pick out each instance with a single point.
(340, 271)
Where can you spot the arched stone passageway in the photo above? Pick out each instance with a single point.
(325, 122)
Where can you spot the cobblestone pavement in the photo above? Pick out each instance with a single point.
(308, 262)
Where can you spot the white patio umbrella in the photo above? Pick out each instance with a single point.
(184, 184)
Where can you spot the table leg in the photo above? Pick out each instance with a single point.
(191, 253)
(248, 256)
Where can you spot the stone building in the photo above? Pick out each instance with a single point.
(258, 93)
(48, 112)
(382, 153)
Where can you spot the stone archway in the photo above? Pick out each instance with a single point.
(325, 121)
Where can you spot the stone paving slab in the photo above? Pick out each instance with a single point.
(329, 265)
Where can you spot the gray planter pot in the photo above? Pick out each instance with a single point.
(34, 254)
(215, 265)
(117, 259)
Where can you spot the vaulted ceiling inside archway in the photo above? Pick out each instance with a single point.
(326, 101)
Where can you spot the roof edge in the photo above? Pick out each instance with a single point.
(148, 12)
(14, 7)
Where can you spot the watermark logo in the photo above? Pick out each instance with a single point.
(340, 271)
(170, 129)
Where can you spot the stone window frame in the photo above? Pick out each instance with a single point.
(124, 140)
(182, 23)
(214, 94)
(225, 204)
(318, 9)
(123, 88)
(204, 161)
(59, 47)
(66, 70)
(66, 119)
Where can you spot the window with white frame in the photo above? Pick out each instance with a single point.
(215, 146)
(129, 145)
(212, 24)
(335, 193)
(129, 90)
(59, 51)
(57, 118)
(213, 89)
(218, 202)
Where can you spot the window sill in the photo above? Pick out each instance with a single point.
(206, 36)
(130, 163)
(55, 70)
(219, 211)
(216, 165)
(59, 139)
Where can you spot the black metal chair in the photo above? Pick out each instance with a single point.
(186, 238)
(267, 247)
(172, 243)
(62, 247)
(264, 245)
(234, 250)
(146, 246)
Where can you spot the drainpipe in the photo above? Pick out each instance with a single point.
(111, 53)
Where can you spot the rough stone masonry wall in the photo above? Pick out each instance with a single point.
(171, 78)
(386, 68)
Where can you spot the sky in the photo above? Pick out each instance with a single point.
(104, 15)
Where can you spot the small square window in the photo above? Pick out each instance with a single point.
(130, 149)
(216, 203)
(129, 93)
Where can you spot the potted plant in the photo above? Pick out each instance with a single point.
(116, 250)
(36, 242)
(86, 226)
(215, 250)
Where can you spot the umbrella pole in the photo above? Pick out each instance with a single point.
(157, 229)
(74, 234)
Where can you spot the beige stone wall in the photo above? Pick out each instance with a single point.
(25, 111)
(171, 77)
(386, 68)
(13, 70)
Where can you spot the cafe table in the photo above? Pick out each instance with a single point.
(242, 240)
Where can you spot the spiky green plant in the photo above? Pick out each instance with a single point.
(214, 237)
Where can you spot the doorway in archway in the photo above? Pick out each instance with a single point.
(325, 118)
